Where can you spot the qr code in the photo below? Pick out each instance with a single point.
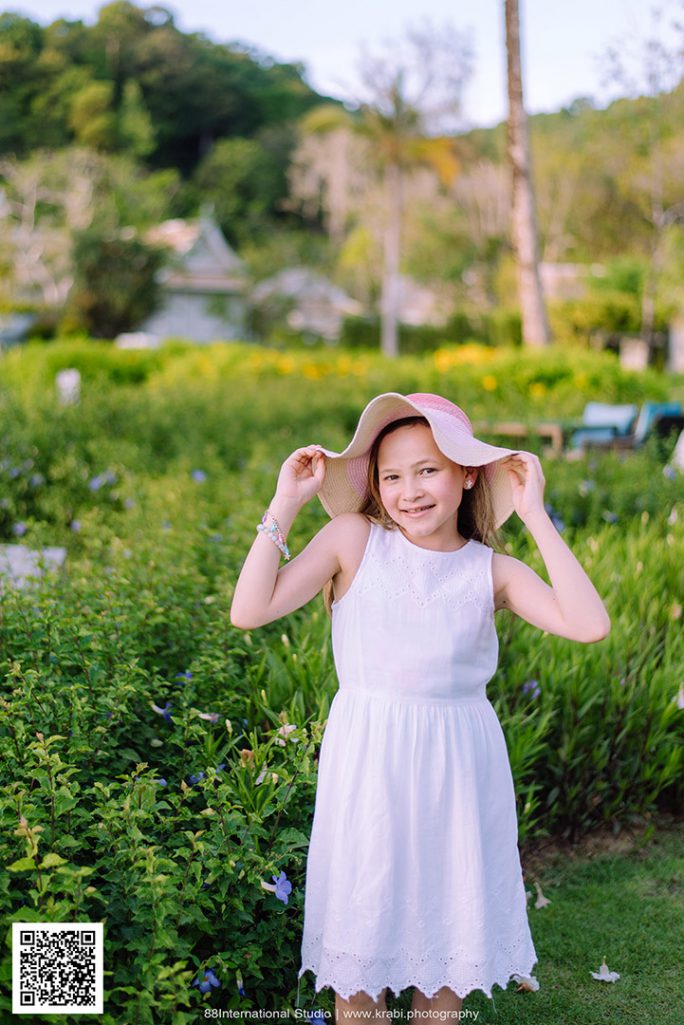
(56, 967)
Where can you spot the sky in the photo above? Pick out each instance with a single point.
(563, 41)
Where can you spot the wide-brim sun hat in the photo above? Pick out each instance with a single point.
(345, 486)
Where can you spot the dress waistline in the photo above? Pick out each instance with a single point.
(404, 698)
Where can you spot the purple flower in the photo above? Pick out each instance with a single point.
(19, 529)
(555, 518)
(283, 887)
(109, 477)
(161, 781)
(36, 479)
(669, 472)
(609, 517)
(222, 765)
(165, 711)
(199, 476)
(532, 688)
(195, 779)
(166, 525)
(208, 981)
(75, 525)
(183, 678)
(316, 1016)
(129, 503)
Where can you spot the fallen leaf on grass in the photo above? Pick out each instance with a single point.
(541, 900)
(603, 975)
(526, 985)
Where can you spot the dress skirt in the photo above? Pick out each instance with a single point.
(413, 874)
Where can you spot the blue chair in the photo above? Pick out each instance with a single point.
(625, 426)
(602, 423)
(650, 415)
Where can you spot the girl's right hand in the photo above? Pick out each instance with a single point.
(301, 475)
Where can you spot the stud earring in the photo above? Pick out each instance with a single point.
(468, 483)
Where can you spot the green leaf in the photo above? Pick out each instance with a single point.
(23, 865)
(52, 859)
(129, 754)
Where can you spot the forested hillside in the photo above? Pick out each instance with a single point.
(110, 127)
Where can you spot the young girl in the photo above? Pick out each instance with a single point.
(413, 874)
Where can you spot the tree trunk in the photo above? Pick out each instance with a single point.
(535, 327)
(389, 300)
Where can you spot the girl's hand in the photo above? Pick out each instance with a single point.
(301, 475)
(527, 483)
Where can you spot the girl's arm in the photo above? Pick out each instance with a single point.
(264, 592)
(571, 607)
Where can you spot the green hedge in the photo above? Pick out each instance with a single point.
(164, 821)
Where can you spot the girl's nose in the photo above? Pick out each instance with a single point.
(411, 494)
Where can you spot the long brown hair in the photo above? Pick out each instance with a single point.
(475, 513)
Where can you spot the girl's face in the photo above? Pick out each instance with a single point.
(412, 474)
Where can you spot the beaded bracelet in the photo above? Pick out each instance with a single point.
(274, 532)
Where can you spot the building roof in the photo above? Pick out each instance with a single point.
(202, 260)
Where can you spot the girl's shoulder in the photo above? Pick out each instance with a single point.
(352, 533)
(506, 571)
(351, 540)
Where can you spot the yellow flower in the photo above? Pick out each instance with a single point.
(489, 382)
(537, 389)
(444, 361)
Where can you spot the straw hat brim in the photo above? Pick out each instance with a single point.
(345, 485)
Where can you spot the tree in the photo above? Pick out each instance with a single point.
(649, 71)
(412, 98)
(134, 82)
(115, 281)
(52, 197)
(535, 325)
(245, 181)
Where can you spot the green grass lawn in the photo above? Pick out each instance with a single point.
(621, 899)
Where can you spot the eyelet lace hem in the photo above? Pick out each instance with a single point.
(348, 974)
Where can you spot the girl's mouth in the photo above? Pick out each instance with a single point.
(419, 511)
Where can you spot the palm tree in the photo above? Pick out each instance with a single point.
(397, 138)
(408, 98)
(535, 327)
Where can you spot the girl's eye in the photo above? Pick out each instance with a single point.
(433, 469)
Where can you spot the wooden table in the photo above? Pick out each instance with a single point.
(518, 429)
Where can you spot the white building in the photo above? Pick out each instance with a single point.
(203, 285)
(305, 301)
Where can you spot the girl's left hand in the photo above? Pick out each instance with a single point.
(527, 483)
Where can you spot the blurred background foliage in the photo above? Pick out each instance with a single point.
(112, 127)
(140, 731)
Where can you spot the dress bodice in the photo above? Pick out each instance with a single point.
(417, 623)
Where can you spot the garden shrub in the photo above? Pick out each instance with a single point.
(161, 764)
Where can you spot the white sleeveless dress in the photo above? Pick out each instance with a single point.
(413, 874)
